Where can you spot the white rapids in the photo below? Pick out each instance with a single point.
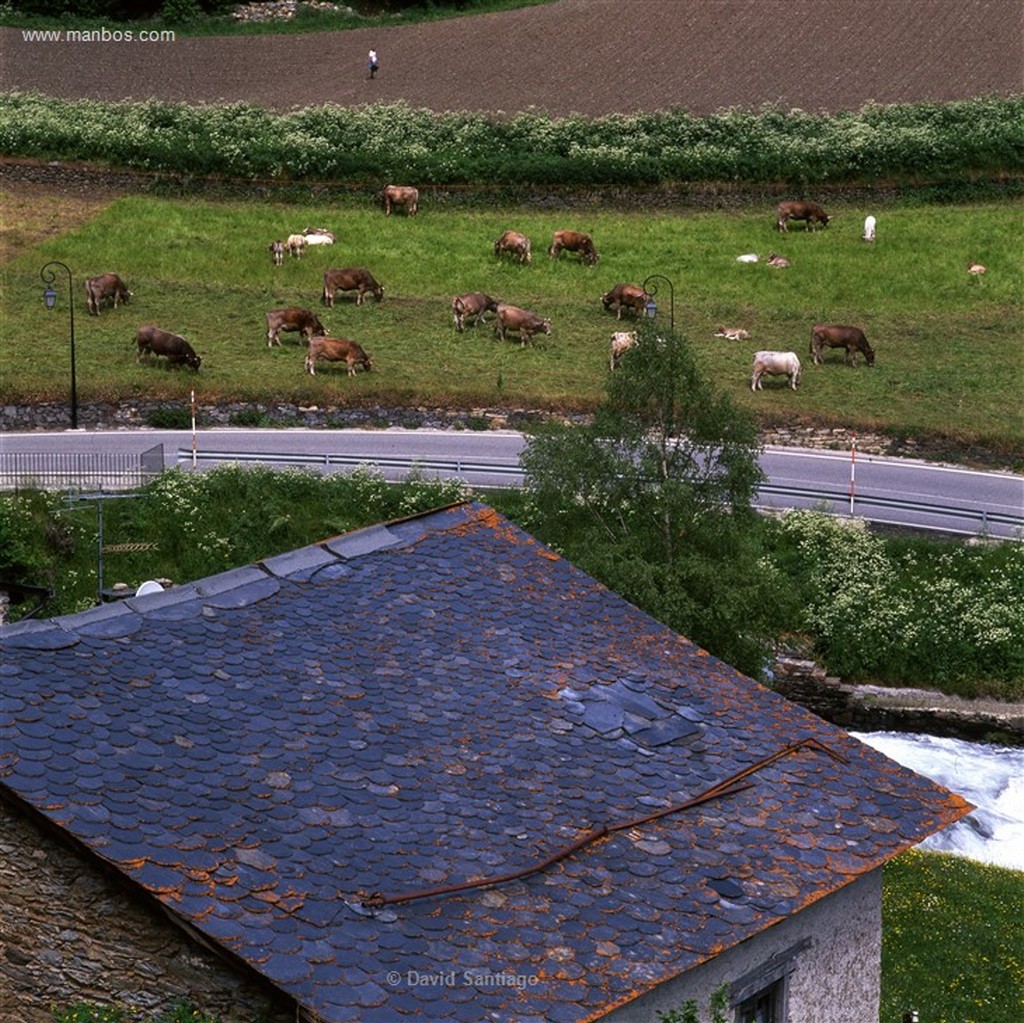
(991, 777)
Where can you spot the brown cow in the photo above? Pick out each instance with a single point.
(832, 335)
(336, 349)
(625, 296)
(102, 287)
(515, 244)
(809, 212)
(574, 241)
(520, 321)
(472, 306)
(150, 341)
(277, 252)
(350, 279)
(400, 195)
(293, 318)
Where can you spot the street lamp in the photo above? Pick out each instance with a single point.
(651, 306)
(50, 299)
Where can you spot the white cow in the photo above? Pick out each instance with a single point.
(869, 229)
(622, 342)
(295, 244)
(318, 236)
(775, 364)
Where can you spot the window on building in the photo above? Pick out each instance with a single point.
(765, 1006)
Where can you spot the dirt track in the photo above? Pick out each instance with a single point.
(590, 57)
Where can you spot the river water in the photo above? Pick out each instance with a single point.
(991, 777)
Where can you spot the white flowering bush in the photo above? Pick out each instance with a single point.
(953, 617)
(938, 141)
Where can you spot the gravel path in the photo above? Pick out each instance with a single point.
(590, 57)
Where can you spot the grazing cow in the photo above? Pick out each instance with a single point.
(809, 212)
(350, 279)
(521, 321)
(733, 333)
(150, 341)
(625, 296)
(775, 364)
(574, 241)
(277, 252)
(292, 319)
(515, 244)
(317, 236)
(102, 287)
(832, 335)
(336, 349)
(869, 229)
(622, 342)
(779, 262)
(400, 195)
(295, 243)
(472, 307)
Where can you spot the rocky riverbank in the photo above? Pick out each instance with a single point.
(876, 708)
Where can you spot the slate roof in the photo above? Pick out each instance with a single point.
(422, 704)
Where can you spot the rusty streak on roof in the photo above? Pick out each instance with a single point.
(425, 703)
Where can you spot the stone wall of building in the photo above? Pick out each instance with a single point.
(70, 932)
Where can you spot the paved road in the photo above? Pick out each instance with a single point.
(885, 490)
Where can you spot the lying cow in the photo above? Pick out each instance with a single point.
(832, 335)
(777, 261)
(277, 252)
(521, 321)
(625, 296)
(514, 244)
(292, 319)
(775, 364)
(105, 286)
(472, 307)
(318, 236)
(733, 333)
(400, 195)
(335, 349)
(150, 341)
(574, 241)
(295, 244)
(809, 212)
(622, 342)
(350, 279)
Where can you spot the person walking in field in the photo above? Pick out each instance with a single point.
(372, 63)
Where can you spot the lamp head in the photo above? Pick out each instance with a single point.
(50, 297)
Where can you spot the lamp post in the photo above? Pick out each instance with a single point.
(651, 307)
(49, 275)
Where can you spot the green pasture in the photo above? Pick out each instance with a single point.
(948, 346)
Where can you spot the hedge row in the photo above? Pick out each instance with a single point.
(921, 142)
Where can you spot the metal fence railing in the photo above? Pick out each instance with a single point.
(87, 471)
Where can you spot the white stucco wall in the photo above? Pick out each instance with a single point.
(837, 976)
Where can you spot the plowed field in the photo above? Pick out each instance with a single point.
(590, 57)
